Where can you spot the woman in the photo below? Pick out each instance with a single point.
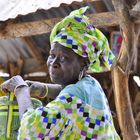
(80, 111)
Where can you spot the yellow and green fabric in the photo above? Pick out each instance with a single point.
(76, 32)
(67, 118)
(9, 116)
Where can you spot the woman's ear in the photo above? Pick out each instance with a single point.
(86, 63)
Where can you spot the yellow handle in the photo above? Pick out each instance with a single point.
(9, 116)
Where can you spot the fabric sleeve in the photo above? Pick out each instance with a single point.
(39, 123)
(93, 92)
(89, 91)
(75, 90)
(67, 117)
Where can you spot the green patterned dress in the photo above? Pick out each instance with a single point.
(67, 118)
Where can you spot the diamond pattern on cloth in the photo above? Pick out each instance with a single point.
(68, 118)
(76, 32)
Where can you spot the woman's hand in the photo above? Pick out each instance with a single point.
(12, 84)
(17, 85)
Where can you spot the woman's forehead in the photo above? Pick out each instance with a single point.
(62, 49)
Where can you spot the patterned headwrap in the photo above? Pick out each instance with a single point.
(75, 32)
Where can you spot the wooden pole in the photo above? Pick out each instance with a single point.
(123, 105)
(121, 73)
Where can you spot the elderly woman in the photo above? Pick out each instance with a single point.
(80, 111)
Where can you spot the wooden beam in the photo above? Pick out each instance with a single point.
(34, 52)
(123, 105)
(13, 30)
(126, 25)
(104, 19)
(100, 6)
(121, 91)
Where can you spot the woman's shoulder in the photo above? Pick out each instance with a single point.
(74, 89)
(82, 84)
(89, 90)
(80, 88)
(94, 93)
(88, 81)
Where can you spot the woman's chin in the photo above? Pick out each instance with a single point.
(55, 79)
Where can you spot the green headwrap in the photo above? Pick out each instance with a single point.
(75, 32)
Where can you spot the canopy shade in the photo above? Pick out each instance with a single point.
(12, 8)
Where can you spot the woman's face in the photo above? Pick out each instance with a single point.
(64, 65)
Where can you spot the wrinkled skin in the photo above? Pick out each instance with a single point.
(64, 65)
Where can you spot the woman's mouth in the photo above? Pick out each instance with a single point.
(55, 76)
(53, 73)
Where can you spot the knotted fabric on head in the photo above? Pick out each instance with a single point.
(75, 32)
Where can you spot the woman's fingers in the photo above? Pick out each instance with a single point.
(29, 83)
(11, 84)
(7, 86)
(4, 88)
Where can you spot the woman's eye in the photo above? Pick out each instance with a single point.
(62, 59)
(52, 56)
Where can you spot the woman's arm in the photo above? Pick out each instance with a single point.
(23, 99)
(53, 90)
(40, 90)
(22, 91)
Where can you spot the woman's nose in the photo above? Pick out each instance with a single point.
(55, 63)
